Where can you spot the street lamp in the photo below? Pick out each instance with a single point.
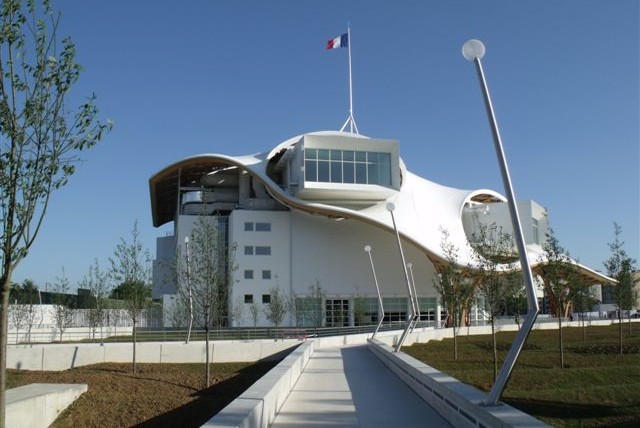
(415, 293)
(390, 208)
(473, 50)
(367, 249)
(186, 246)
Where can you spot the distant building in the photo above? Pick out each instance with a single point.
(303, 212)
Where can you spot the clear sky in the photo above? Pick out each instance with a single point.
(238, 77)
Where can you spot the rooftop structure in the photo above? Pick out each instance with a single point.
(301, 214)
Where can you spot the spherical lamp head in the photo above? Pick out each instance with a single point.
(391, 206)
(473, 49)
(367, 248)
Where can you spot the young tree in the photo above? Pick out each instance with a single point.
(449, 284)
(254, 312)
(313, 311)
(620, 267)
(24, 298)
(62, 304)
(561, 284)
(131, 271)
(41, 137)
(493, 256)
(276, 309)
(211, 267)
(97, 282)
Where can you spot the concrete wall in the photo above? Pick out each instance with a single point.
(66, 356)
(258, 406)
(38, 405)
(457, 402)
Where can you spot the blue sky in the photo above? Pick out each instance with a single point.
(238, 77)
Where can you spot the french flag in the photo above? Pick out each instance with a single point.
(339, 42)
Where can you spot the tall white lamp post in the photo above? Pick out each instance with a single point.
(473, 50)
(367, 248)
(390, 208)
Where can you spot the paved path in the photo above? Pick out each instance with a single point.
(349, 387)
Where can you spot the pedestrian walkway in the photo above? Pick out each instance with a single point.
(349, 387)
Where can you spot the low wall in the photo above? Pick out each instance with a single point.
(457, 402)
(37, 405)
(258, 406)
(67, 356)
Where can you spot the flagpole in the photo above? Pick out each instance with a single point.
(350, 120)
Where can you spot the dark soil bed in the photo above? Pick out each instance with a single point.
(159, 395)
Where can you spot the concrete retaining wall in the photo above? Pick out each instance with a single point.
(457, 402)
(37, 405)
(66, 356)
(258, 406)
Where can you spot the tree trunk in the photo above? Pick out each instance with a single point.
(455, 340)
(620, 329)
(4, 321)
(495, 350)
(135, 369)
(561, 343)
(208, 368)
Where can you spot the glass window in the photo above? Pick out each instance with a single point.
(263, 227)
(263, 250)
(323, 154)
(323, 172)
(311, 170)
(336, 172)
(248, 298)
(248, 226)
(365, 311)
(337, 312)
(266, 298)
(266, 274)
(347, 166)
(310, 154)
(361, 173)
(395, 308)
(248, 250)
(248, 274)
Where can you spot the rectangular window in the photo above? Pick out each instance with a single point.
(248, 226)
(266, 298)
(248, 250)
(263, 227)
(263, 250)
(395, 309)
(248, 274)
(337, 312)
(266, 274)
(536, 236)
(348, 166)
(248, 298)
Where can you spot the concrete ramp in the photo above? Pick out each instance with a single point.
(349, 387)
(37, 405)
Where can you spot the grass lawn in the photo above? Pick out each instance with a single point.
(597, 388)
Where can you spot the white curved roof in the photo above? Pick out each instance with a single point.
(422, 208)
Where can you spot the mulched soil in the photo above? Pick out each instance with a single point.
(158, 395)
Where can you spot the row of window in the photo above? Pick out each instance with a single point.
(248, 274)
(258, 250)
(347, 166)
(258, 226)
(266, 298)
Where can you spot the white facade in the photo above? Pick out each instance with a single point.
(302, 214)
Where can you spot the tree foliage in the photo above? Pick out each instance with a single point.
(276, 309)
(493, 256)
(131, 271)
(63, 304)
(620, 267)
(97, 282)
(204, 276)
(40, 135)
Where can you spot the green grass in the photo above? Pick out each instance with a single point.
(597, 388)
